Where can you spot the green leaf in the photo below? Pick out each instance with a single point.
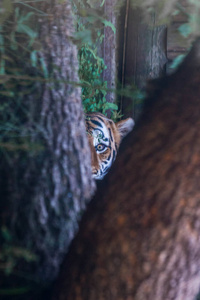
(185, 30)
(175, 12)
(7, 93)
(44, 67)
(34, 58)
(109, 24)
(177, 61)
(22, 28)
(85, 36)
(17, 12)
(26, 17)
(102, 4)
(109, 105)
(15, 291)
(138, 95)
(6, 234)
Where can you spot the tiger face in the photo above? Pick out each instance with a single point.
(104, 138)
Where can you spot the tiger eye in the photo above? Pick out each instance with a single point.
(100, 147)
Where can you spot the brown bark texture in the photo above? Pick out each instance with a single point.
(140, 238)
(44, 194)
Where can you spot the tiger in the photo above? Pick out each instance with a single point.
(104, 138)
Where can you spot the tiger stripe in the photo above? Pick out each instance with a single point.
(104, 138)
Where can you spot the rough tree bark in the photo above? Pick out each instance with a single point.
(44, 195)
(140, 238)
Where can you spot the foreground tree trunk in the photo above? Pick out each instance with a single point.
(43, 195)
(140, 238)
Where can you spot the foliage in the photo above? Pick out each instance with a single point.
(10, 254)
(20, 68)
(177, 61)
(90, 23)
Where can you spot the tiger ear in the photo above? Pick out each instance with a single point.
(125, 126)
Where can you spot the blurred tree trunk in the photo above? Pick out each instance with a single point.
(140, 238)
(43, 193)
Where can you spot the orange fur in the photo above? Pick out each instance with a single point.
(104, 138)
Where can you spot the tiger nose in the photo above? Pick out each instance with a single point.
(94, 170)
(94, 162)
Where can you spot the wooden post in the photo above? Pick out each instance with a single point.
(141, 53)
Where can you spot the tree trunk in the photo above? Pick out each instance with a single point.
(140, 238)
(109, 50)
(43, 194)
